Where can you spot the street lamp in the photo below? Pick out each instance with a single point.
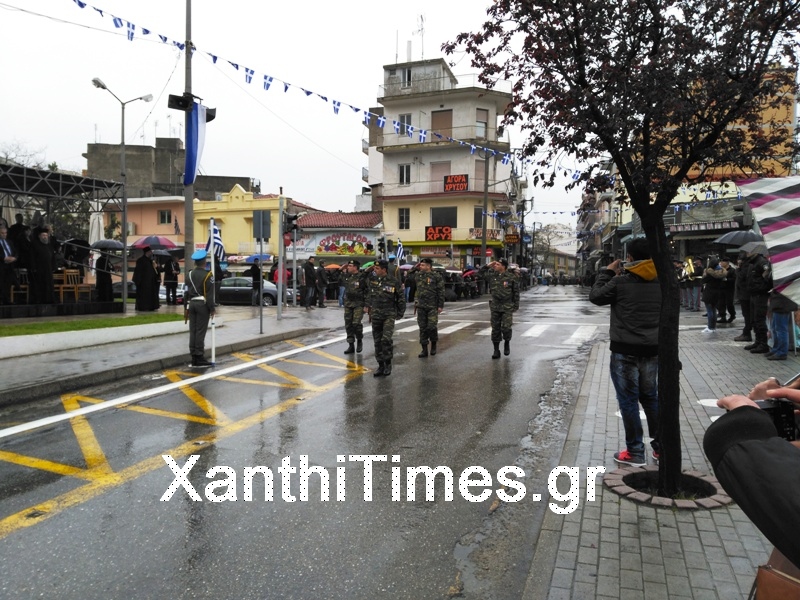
(533, 244)
(98, 83)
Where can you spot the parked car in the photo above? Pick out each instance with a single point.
(116, 289)
(162, 294)
(239, 290)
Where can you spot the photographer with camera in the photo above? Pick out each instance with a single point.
(758, 468)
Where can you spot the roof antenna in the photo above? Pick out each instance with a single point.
(421, 32)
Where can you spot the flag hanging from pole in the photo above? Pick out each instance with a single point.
(400, 252)
(195, 138)
(775, 202)
(214, 244)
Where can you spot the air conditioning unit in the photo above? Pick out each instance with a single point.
(131, 228)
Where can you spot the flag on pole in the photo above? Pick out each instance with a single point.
(775, 202)
(195, 138)
(214, 244)
(400, 252)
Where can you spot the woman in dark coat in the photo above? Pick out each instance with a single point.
(41, 268)
(147, 281)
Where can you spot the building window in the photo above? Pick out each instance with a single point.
(477, 220)
(404, 218)
(445, 216)
(481, 123)
(406, 77)
(164, 217)
(405, 121)
(405, 174)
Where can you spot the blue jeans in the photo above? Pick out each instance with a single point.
(711, 315)
(780, 333)
(341, 295)
(635, 379)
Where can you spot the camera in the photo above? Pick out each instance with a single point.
(782, 414)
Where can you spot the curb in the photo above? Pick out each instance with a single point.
(36, 391)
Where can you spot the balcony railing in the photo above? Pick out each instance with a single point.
(423, 84)
(437, 187)
(479, 135)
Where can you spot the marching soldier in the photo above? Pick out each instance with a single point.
(355, 291)
(384, 304)
(429, 303)
(504, 288)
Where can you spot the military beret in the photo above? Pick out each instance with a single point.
(199, 255)
(355, 263)
(383, 264)
(428, 261)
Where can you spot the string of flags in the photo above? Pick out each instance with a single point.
(367, 117)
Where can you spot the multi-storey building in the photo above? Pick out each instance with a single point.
(437, 168)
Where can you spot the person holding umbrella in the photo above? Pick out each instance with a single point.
(147, 281)
(199, 307)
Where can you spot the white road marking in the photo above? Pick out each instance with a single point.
(487, 331)
(536, 331)
(456, 327)
(582, 334)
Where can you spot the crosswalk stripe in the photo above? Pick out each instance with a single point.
(408, 329)
(487, 331)
(456, 327)
(535, 331)
(581, 334)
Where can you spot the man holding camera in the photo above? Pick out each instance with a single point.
(634, 295)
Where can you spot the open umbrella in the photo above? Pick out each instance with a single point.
(156, 242)
(108, 245)
(367, 265)
(755, 248)
(739, 237)
(332, 266)
(406, 267)
(79, 248)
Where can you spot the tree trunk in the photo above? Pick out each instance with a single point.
(669, 366)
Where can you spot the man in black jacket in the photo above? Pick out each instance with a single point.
(759, 283)
(757, 468)
(635, 299)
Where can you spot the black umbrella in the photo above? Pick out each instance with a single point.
(108, 245)
(738, 238)
(78, 248)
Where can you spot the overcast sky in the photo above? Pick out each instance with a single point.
(52, 49)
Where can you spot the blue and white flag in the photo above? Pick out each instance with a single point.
(400, 252)
(215, 240)
(195, 138)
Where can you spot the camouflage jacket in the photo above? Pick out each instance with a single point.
(430, 289)
(504, 288)
(355, 288)
(384, 295)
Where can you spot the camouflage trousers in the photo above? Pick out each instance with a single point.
(353, 316)
(428, 321)
(382, 332)
(502, 320)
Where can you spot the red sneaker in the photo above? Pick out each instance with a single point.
(626, 458)
(656, 456)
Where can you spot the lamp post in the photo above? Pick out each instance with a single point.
(98, 83)
(533, 244)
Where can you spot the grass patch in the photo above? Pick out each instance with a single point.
(84, 324)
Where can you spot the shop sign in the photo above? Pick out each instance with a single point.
(438, 234)
(512, 238)
(456, 183)
(491, 234)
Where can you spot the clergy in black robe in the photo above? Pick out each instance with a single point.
(103, 271)
(147, 281)
(41, 268)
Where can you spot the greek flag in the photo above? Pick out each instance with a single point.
(219, 249)
(400, 252)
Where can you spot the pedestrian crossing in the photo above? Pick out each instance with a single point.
(555, 333)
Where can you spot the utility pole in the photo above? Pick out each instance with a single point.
(188, 190)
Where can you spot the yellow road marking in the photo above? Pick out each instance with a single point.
(343, 361)
(315, 364)
(92, 452)
(267, 383)
(46, 465)
(104, 482)
(292, 379)
(157, 412)
(201, 401)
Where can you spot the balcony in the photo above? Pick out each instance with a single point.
(497, 191)
(423, 84)
(388, 141)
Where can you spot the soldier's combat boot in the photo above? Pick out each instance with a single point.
(350, 349)
(496, 350)
(379, 370)
(359, 345)
(433, 347)
(424, 352)
(387, 368)
(507, 347)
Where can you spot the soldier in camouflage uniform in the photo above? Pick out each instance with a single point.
(355, 291)
(385, 303)
(429, 303)
(504, 288)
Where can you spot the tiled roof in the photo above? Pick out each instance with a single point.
(340, 220)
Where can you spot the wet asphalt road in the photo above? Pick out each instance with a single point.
(80, 502)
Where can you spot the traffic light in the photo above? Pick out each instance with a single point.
(382, 245)
(290, 223)
(448, 253)
(389, 246)
(185, 103)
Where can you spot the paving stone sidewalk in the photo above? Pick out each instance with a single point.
(615, 548)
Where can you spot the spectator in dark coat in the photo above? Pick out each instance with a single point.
(147, 281)
(322, 284)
